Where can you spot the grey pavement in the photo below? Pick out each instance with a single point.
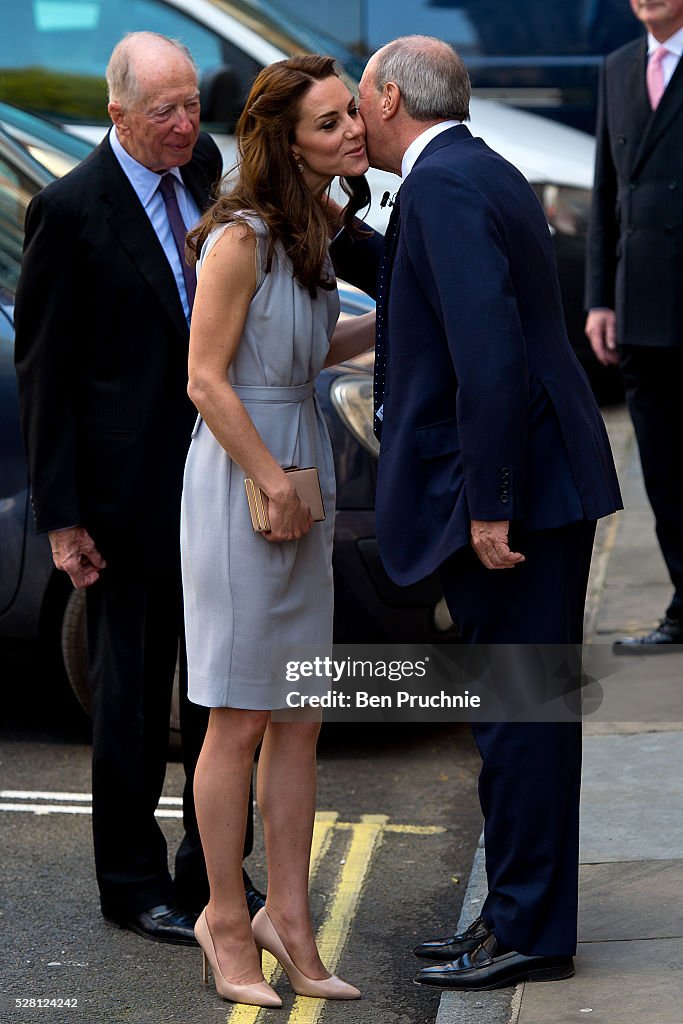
(629, 966)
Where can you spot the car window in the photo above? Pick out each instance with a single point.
(16, 190)
(53, 53)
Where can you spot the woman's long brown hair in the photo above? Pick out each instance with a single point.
(269, 182)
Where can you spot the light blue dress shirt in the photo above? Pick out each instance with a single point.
(146, 185)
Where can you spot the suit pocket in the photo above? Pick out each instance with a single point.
(437, 439)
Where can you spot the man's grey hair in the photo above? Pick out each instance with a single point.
(122, 81)
(432, 78)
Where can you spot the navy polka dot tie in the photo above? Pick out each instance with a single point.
(390, 242)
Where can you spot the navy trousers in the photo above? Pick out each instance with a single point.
(529, 785)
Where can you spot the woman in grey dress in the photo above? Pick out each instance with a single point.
(263, 326)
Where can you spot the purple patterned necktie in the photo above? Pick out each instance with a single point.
(167, 189)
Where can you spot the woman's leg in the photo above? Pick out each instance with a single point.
(285, 793)
(221, 793)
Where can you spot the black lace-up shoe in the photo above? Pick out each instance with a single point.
(162, 924)
(666, 638)
(453, 946)
(489, 966)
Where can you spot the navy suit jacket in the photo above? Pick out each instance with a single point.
(487, 412)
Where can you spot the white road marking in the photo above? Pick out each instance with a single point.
(49, 802)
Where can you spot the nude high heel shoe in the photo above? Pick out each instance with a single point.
(267, 938)
(260, 994)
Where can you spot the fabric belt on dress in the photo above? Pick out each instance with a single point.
(295, 393)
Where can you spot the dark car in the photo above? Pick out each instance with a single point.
(37, 603)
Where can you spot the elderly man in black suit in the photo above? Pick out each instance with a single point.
(635, 262)
(102, 329)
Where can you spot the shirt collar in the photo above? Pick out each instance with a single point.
(417, 145)
(144, 181)
(674, 43)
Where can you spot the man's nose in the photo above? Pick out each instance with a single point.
(182, 121)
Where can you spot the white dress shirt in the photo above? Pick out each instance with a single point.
(674, 45)
(417, 145)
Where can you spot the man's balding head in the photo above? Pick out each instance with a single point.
(408, 85)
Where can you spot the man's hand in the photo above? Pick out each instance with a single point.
(74, 552)
(601, 331)
(490, 543)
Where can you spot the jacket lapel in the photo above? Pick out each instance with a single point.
(658, 121)
(133, 229)
(199, 188)
(458, 133)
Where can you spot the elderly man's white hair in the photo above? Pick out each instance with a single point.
(122, 81)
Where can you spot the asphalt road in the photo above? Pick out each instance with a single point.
(398, 824)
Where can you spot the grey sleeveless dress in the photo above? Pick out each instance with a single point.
(247, 599)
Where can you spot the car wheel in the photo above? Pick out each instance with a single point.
(75, 647)
(75, 658)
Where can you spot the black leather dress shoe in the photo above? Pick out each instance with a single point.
(255, 900)
(453, 946)
(488, 967)
(666, 638)
(162, 923)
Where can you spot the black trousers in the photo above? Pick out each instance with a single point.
(529, 785)
(652, 377)
(134, 633)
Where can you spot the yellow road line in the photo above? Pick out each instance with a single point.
(413, 830)
(322, 833)
(365, 839)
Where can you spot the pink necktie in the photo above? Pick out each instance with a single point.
(655, 76)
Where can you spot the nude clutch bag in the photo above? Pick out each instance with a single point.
(307, 485)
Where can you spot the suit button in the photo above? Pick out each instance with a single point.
(632, 186)
(622, 140)
(504, 498)
(671, 185)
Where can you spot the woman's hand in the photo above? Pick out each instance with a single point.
(290, 517)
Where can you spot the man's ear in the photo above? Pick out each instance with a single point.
(118, 116)
(391, 100)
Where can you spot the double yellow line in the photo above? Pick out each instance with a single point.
(366, 838)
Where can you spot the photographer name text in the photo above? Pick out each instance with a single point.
(364, 699)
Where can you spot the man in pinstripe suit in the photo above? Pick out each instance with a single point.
(634, 268)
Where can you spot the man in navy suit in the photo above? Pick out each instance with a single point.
(633, 270)
(494, 466)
